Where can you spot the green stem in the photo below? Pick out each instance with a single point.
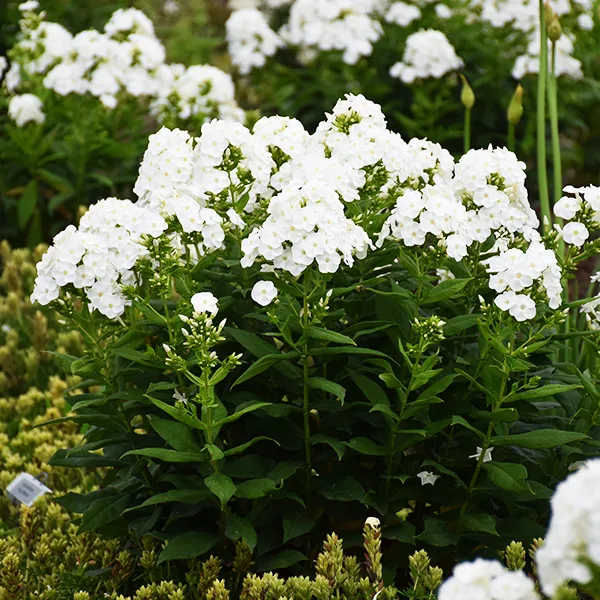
(306, 406)
(486, 442)
(511, 136)
(467, 134)
(541, 124)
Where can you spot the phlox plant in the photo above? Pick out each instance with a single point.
(76, 108)
(291, 332)
(298, 56)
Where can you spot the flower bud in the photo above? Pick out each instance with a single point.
(515, 108)
(554, 30)
(467, 96)
(549, 13)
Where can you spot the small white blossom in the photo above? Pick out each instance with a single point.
(26, 108)
(427, 477)
(264, 292)
(487, 456)
(373, 522)
(205, 302)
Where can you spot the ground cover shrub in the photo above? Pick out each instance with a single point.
(294, 332)
(298, 56)
(77, 110)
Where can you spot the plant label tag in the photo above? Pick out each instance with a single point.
(26, 489)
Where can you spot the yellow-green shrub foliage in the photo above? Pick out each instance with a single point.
(29, 336)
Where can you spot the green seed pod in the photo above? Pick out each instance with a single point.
(467, 96)
(515, 108)
(554, 30)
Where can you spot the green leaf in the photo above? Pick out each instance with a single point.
(264, 363)
(295, 526)
(239, 527)
(508, 476)
(221, 486)
(437, 386)
(168, 455)
(539, 439)
(330, 350)
(103, 511)
(184, 496)
(259, 347)
(280, 560)
(543, 392)
(175, 433)
(334, 443)
(444, 290)
(27, 203)
(244, 447)
(254, 488)
(364, 445)
(460, 323)
(404, 533)
(457, 420)
(374, 393)
(320, 383)
(188, 545)
(436, 534)
(178, 414)
(78, 458)
(343, 489)
(318, 333)
(240, 413)
(480, 523)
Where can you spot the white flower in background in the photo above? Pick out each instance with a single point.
(3, 65)
(487, 456)
(348, 26)
(250, 39)
(442, 11)
(171, 7)
(585, 22)
(427, 477)
(26, 108)
(402, 14)
(125, 60)
(487, 580)
(264, 292)
(30, 5)
(205, 302)
(572, 543)
(566, 64)
(373, 522)
(575, 233)
(428, 53)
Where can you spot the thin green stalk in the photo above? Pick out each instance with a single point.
(486, 443)
(306, 407)
(511, 136)
(541, 124)
(467, 134)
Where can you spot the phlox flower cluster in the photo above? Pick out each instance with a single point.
(348, 26)
(251, 40)
(125, 60)
(565, 62)
(485, 197)
(99, 256)
(487, 580)
(402, 14)
(197, 90)
(580, 207)
(516, 272)
(428, 53)
(572, 544)
(295, 200)
(26, 108)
